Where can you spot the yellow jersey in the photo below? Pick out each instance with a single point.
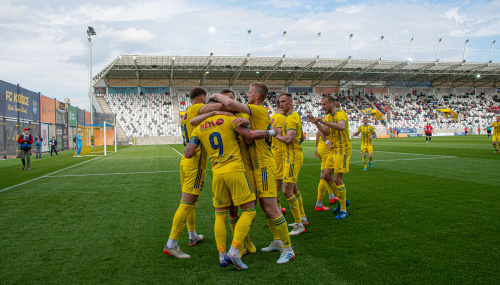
(260, 150)
(341, 141)
(277, 146)
(496, 129)
(366, 132)
(224, 153)
(293, 152)
(244, 147)
(199, 160)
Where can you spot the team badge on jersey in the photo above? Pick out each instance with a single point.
(219, 122)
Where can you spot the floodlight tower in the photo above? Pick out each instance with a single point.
(409, 50)
(248, 44)
(350, 38)
(491, 50)
(284, 35)
(212, 30)
(317, 46)
(380, 53)
(465, 48)
(91, 33)
(437, 52)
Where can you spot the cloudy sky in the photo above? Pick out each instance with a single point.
(44, 45)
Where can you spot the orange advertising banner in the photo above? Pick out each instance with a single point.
(48, 110)
(87, 118)
(326, 90)
(99, 137)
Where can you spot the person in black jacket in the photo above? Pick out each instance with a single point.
(53, 144)
(38, 145)
(25, 140)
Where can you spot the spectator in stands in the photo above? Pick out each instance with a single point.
(38, 145)
(53, 145)
(25, 140)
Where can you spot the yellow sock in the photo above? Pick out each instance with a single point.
(333, 187)
(191, 219)
(243, 227)
(301, 204)
(342, 197)
(220, 230)
(272, 227)
(370, 158)
(232, 223)
(364, 161)
(282, 229)
(180, 218)
(322, 189)
(279, 205)
(294, 206)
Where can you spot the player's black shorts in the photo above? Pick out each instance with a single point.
(428, 134)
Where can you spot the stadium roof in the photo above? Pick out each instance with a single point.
(288, 70)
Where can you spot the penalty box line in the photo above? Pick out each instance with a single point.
(57, 171)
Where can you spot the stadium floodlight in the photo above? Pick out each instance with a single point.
(350, 38)
(248, 44)
(284, 35)
(212, 30)
(91, 33)
(437, 52)
(478, 76)
(380, 53)
(317, 45)
(465, 48)
(491, 50)
(409, 50)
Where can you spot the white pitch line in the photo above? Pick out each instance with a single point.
(104, 174)
(149, 157)
(177, 151)
(47, 175)
(440, 155)
(356, 162)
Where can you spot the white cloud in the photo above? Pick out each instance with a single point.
(283, 3)
(454, 15)
(129, 35)
(351, 9)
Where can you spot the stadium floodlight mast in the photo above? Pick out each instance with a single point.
(465, 48)
(91, 33)
(437, 52)
(284, 35)
(380, 53)
(248, 44)
(317, 46)
(350, 38)
(409, 50)
(491, 50)
(212, 30)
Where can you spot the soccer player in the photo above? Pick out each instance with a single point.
(367, 134)
(496, 133)
(264, 167)
(293, 159)
(192, 177)
(428, 133)
(337, 125)
(322, 151)
(279, 120)
(230, 185)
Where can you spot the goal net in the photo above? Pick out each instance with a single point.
(97, 139)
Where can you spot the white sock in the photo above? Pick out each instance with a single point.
(332, 196)
(288, 249)
(222, 255)
(303, 219)
(171, 243)
(233, 251)
(319, 204)
(300, 224)
(192, 235)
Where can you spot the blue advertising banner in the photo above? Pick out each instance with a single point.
(122, 90)
(407, 131)
(154, 89)
(81, 117)
(22, 103)
(460, 134)
(300, 89)
(414, 135)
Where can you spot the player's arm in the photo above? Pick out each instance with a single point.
(302, 137)
(357, 133)
(231, 104)
(289, 138)
(316, 121)
(336, 126)
(374, 135)
(256, 134)
(191, 147)
(200, 118)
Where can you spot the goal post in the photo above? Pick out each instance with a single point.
(98, 139)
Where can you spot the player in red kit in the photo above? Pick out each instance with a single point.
(428, 133)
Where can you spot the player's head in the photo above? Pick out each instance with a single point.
(498, 118)
(327, 103)
(286, 102)
(79, 132)
(53, 137)
(365, 121)
(257, 93)
(228, 93)
(198, 94)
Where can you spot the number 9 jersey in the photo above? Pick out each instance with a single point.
(218, 137)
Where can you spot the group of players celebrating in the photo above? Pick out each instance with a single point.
(254, 157)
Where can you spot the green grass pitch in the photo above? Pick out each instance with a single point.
(424, 214)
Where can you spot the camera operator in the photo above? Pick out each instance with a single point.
(38, 144)
(25, 140)
(53, 144)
